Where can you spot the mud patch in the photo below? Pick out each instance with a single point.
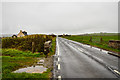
(48, 62)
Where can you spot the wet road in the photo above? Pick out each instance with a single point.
(75, 61)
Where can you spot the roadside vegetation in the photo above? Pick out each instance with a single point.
(16, 61)
(18, 54)
(25, 43)
(53, 47)
(100, 40)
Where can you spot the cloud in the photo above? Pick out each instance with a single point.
(59, 17)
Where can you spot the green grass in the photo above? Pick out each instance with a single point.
(10, 64)
(103, 34)
(28, 76)
(96, 40)
(18, 53)
(53, 47)
(14, 59)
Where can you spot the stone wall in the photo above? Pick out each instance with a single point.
(114, 44)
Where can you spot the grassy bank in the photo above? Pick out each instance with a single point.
(13, 59)
(96, 40)
(53, 47)
(19, 53)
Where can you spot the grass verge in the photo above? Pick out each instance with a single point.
(13, 62)
(53, 47)
(96, 41)
(13, 59)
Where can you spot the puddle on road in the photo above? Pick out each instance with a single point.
(33, 69)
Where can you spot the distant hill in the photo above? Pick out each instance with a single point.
(6, 35)
(103, 34)
(10, 35)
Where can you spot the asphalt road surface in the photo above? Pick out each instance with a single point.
(76, 60)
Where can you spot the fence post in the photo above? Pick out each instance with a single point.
(90, 39)
(101, 40)
(33, 47)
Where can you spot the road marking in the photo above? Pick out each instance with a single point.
(117, 72)
(58, 51)
(80, 50)
(77, 48)
(57, 63)
(58, 66)
(58, 59)
(58, 47)
(59, 77)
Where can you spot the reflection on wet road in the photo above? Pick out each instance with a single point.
(78, 61)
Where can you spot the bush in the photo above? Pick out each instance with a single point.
(25, 43)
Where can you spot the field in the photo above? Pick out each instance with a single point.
(14, 57)
(97, 40)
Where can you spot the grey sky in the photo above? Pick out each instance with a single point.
(59, 17)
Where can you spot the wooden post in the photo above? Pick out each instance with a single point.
(90, 39)
(101, 40)
(33, 47)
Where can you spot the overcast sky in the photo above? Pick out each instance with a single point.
(59, 17)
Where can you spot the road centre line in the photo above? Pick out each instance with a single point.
(58, 66)
(58, 59)
(58, 47)
(57, 63)
(59, 77)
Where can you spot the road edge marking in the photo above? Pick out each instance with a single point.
(117, 72)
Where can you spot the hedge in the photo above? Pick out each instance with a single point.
(25, 43)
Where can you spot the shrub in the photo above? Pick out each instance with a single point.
(25, 43)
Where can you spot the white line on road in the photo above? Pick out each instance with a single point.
(117, 72)
(58, 47)
(57, 63)
(58, 51)
(59, 77)
(80, 50)
(58, 66)
(58, 59)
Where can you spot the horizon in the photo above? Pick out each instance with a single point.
(64, 33)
